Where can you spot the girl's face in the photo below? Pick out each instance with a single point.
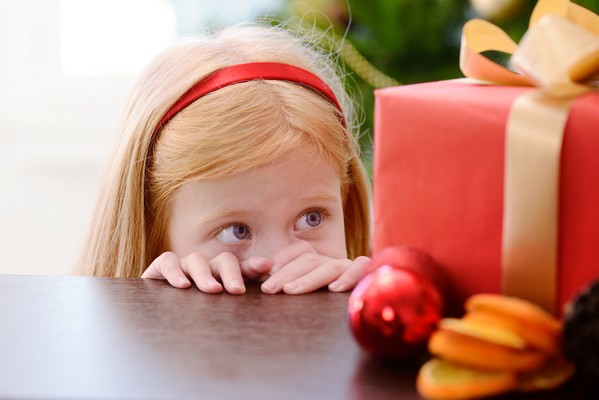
(260, 211)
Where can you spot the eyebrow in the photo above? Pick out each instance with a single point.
(322, 197)
(225, 215)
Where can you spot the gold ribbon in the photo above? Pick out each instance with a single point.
(559, 55)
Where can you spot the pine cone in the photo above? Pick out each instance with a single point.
(581, 331)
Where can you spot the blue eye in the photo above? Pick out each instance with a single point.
(233, 233)
(311, 219)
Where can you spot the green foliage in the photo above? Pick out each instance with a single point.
(409, 40)
(592, 5)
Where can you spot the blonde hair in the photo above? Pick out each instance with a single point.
(225, 132)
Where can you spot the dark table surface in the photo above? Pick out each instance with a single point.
(104, 338)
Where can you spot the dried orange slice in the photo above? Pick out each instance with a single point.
(478, 353)
(520, 309)
(492, 333)
(552, 374)
(535, 337)
(439, 379)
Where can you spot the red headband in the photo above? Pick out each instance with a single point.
(250, 72)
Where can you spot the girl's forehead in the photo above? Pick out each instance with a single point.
(296, 174)
(276, 193)
(299, 156)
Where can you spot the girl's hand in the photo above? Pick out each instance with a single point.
(205, 273)
(298, 270)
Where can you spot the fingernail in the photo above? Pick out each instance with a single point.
(237, 286)
(291, 286)
(339, 286)
(269, 286)
(275, 268)
(182, 281)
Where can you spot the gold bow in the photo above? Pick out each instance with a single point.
(559, 55)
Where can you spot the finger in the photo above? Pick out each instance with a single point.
(197, 267)
(290, 253)
(229, 271)
(255, 268)
(167, 266)
(351, 276)
(318, 277)
(293, 270)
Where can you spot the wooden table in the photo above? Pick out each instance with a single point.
(83, 337)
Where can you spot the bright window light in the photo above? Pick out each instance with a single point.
(113, 37)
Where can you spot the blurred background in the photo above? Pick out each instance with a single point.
(66, 67)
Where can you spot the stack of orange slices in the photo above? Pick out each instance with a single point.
(501, 344)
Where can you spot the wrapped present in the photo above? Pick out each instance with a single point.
(498, 182)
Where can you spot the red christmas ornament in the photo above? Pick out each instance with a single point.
(395, 308)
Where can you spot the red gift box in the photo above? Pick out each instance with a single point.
(438, 182)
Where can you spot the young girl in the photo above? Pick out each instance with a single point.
(235, 161)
